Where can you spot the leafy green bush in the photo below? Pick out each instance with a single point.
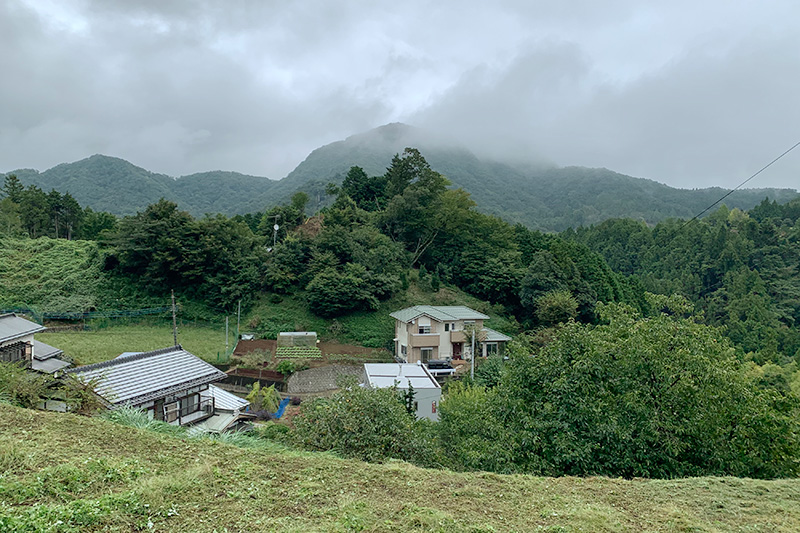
(22, 387)
(290, 366)
(367, 424)
(659, 396)
(264, 399)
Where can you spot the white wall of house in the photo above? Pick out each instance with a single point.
(427, 403)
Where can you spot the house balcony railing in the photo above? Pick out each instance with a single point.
(417, 340)
(181, 415)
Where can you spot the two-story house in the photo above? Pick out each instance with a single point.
(429, 332)
(171, 384)
(17, 345)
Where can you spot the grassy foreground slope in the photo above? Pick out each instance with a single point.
(68, 473)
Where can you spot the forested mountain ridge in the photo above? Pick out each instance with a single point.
(117, 186)
(544, 198)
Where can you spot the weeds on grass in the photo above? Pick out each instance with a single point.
(137, 418)
(78, 515)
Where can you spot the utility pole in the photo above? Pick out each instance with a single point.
(275, 229)
(226, 335)
(238, 320)
(472, 357)
(174, 321)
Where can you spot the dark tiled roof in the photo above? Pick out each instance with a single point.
(147, 376)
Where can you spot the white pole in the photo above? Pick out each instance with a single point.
(238, 320)
(472, 358)
(226, 335)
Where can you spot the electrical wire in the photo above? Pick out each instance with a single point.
(765, 167)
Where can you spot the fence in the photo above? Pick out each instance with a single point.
(41, 316)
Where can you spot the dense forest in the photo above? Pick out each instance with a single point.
(740, 270)
(658, 351)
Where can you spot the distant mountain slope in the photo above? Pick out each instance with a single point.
(111, 184)
(550, 199)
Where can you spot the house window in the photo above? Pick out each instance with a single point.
(426, 354)
(491, 348)
(469, 322)
(424, 330)
(403, 350)
(190, 404)
(447, 326)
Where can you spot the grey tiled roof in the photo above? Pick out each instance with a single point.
(147, 376)
(442, 313)
(42, 351)
(49, 366)
(13, 327)
(495, 336)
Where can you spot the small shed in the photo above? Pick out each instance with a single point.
(427, 391)
(297, 338)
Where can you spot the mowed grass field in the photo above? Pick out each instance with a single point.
(65, 473)
(94, 346)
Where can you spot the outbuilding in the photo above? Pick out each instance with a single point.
(427, 392)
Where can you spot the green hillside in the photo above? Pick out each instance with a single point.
(111, 184)
(545, 198)
(51, 274)
(66, 473)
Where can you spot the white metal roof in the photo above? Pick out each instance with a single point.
(225, 400)
(13, 327)
(442, 313)
(147, 376)
(384, 375)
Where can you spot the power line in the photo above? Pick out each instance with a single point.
(765, 167)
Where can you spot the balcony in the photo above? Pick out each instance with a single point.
(417, 340)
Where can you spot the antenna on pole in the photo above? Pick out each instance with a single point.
(174, 321)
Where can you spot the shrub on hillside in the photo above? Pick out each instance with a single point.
(367, 424)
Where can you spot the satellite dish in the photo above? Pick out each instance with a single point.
(276, 227)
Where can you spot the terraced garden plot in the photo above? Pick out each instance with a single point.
(298, 352)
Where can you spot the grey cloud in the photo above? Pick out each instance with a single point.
(688, 93)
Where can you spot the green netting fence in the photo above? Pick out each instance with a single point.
(41, 316)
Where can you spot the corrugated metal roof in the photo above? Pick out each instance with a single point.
(13, 327)
(225, 400)
(495, 336)
(147, 376)
(384, 375)
(442, 313)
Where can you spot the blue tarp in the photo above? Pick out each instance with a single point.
(281, 408)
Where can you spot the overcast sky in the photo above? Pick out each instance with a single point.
(687, 92)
